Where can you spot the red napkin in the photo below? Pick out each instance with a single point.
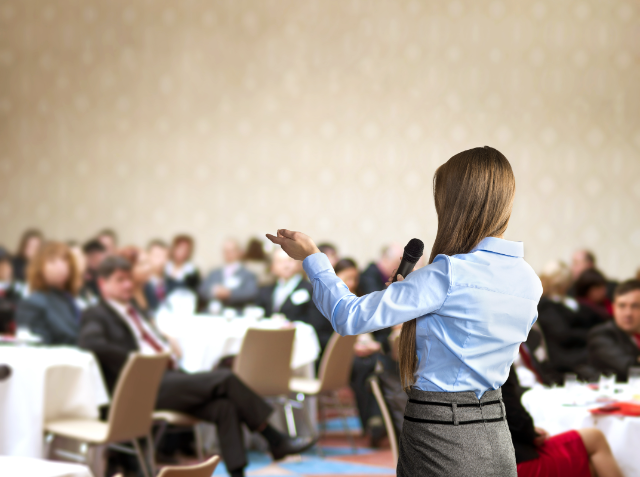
(618, 409)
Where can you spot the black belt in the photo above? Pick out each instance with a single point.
(454, 406)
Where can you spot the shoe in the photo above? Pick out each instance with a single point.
(292, 445)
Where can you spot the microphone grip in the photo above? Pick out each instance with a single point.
(404, 269)
(5, 372)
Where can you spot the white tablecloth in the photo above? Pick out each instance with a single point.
(552, 409)
(30, 467)
(46, 383)
(205, 339)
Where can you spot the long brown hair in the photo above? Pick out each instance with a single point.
(49, 251)
(473, 193)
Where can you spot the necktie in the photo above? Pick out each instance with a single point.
(636, 337)
(146, 336)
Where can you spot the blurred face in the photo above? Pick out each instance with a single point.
(108, 242)
(391, 259)
(579, 263)
(351, 278)
(626, 312)
(158, 257)
(56, 272)
(118, 287)
(6, 271)
(181, 252)
(142, 270)
(32, 246)
(80, 259)
(231, 251)
(597, 294)
(332, 255)
(93, 259)
(283, 266)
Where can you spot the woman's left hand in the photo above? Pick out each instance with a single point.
(296, 244)
(393, 274)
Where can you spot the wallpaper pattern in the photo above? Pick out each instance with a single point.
(235, 117)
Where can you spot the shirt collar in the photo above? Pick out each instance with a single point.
(501, 246)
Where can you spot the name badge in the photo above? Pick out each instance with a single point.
(299, 297)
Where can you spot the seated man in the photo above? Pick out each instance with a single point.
(291, 296)
(232, 285)
(114, 328)
(615, 346)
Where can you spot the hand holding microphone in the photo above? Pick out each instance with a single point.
(412, 253)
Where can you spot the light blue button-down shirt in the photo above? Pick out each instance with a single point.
(473, 310)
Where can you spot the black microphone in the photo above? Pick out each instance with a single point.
(412, 253)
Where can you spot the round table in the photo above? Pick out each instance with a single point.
(205, 339)
(30, 467)
(559, 410)
(46, 383)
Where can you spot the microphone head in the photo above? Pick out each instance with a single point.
(413, 250)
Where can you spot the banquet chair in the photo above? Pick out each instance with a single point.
(386, 416)
(130, 414)
(178, 419)
(264, 364)
(334, 373)
(204, 469)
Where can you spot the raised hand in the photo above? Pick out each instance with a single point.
(296, 244)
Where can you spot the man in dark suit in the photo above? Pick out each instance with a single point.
(291, 296)
(114, 328)
(231, 285)
(615, 346)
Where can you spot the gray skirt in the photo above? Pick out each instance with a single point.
(455, 434)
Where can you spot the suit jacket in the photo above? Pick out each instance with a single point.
(245, 293)
(518, 419)
(104, 332)
(565, 335)
(52, 315)
(305, 311)
(612, 350)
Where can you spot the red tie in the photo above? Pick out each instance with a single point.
(147, 337)
(637, 338)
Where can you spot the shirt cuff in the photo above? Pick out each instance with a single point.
(315, 264)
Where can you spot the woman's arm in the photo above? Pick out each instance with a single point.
(422, 292)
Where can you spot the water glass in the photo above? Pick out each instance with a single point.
(634, 378)
(607, 383)
(571, 381)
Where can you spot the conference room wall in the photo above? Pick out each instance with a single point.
(233, 118)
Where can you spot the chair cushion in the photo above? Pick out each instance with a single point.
(305, 386)
(85, 430)
(175, 418)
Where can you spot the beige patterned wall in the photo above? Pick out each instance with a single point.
(230, 118)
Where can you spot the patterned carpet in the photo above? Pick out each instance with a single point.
(338, 459)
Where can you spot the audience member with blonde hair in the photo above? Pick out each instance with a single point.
(564, 330)
(50, 310)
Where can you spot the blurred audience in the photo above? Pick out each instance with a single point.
(291, 296)
(158, 253)
(581, 261)
(9, 294)
(256, 261)
(591, 292)
(563, 326)
(367, 354)
(30, 242)
(109, 239)
(85, 296)
(232, 285)
(116, 327)
(331, 251)
(572, 453)
(615, 346)
(94, 253)
(50, 311)
(180, 271)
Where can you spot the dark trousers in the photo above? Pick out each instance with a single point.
(365, 400)
(218, 397)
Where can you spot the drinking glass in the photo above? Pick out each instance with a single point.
(570, 381)
(634, 378)
(607, 383)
